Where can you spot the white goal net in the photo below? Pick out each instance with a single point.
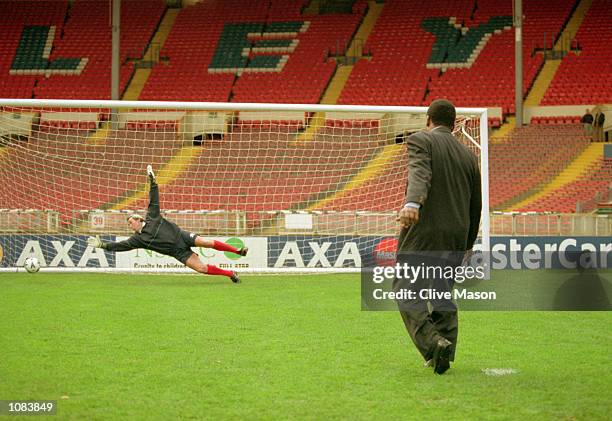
(305, 187)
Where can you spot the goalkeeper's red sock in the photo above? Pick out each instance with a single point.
(213, 270)
(218, 245)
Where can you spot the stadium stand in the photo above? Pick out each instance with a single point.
(555, 120)
(382, 193)
(383, 79)
(586, 78)
(197, 52)
(295, 174)
(16, 16)
(403, 38)
(515, 173)
(61, 49)
(565, 199)
(280, 181)
(205, 52)
(61, 165)
(190, 48)
(411, 62)
(87, 33)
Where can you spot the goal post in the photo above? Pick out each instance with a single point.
(305, 187)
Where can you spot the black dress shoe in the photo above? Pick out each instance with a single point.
(441, 358)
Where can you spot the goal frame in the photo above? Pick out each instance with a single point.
(114, 105)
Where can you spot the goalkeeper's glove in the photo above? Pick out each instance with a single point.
(151, 174)
(95, 242)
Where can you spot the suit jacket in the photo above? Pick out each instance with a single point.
(444, 177)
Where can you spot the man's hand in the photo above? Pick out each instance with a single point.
(95, 242)
(408, 216)
(150, 173)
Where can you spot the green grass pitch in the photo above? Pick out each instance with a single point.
(277, 347)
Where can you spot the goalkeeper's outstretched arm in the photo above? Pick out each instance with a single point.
(153, 210)
(125, 245)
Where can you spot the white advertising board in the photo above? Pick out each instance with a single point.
(147, 259)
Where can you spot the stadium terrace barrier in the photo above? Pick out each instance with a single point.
(223, 222)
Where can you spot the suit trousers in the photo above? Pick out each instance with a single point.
(429, 313)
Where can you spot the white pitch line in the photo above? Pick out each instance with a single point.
(499, 371)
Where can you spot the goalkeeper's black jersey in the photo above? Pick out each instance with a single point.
(158, 234)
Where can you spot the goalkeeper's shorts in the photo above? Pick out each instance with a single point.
(183, 250)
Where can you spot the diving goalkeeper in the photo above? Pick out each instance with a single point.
(156, 233)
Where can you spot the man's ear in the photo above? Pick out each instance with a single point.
(428, 124)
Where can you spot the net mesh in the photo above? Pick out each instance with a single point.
(311, 188)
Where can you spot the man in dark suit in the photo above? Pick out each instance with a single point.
(439, 223)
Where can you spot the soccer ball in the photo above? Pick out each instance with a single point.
(32, 265)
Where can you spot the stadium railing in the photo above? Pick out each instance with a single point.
(223, 222)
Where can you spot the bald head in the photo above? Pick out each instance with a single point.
(442, 113)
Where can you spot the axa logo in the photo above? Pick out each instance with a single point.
(32, 56)
(256, 47)
(457, 46)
